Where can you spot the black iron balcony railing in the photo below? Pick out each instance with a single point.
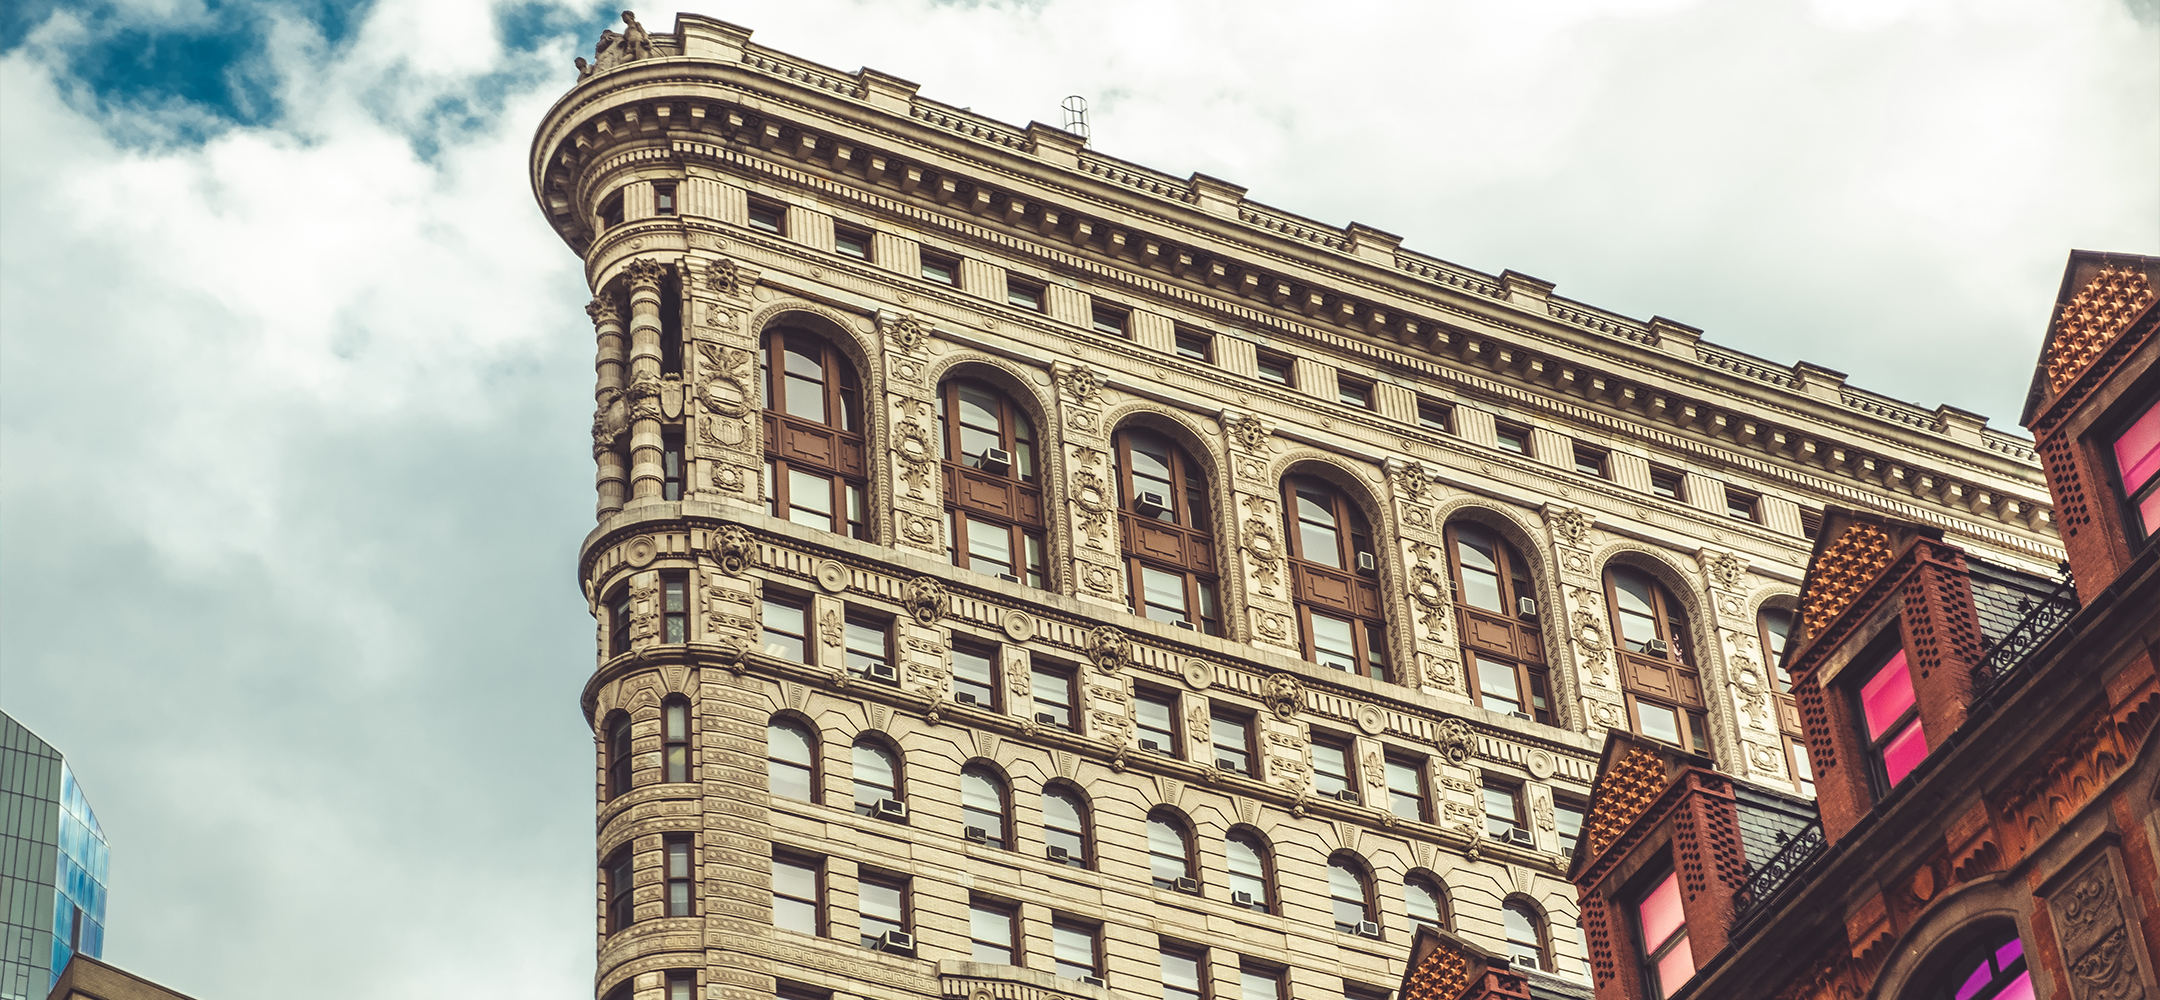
(2003, 665)
(1770, 879)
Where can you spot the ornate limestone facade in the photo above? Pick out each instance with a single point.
(938, 451)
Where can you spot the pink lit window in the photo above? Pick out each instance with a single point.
(1996, 973)
(1893, 720)
(1669, 962)
(2137, 457)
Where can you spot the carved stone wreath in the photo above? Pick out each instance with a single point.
(734, 549)
(1455, 741)
(1108, 648)
(924, 599)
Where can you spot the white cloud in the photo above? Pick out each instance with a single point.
(292, 419)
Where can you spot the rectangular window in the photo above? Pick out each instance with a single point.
(941, 269)
(990, 930)
(679, 880)
(1231, 734)
(810, 500)
(1741, 505)
(675, 608)
(1277, 368)
(1259, 982)
(869, 650)
(619, 607)
(681, 984)
(1077, 949)
(1515, 438)
(1891, 717)
(1436, 416)
(1802, 767)
(1109, 321)
(621, 881)
(671, 464)
(1021, 293)
(2137, 465)
(785, 629)
(1503, 811)
(882, 903)
(663, 197)
(1590, 461)
(1184, 972)
(768, 216)
(1334, 642)
(1567, 817)
(1053, 690)
(1353, 392)
(852, 242)
(1406, 787)
(798, 893)
(1195, 345)
(1331, 768)
(975, 675)
(1156, 714)
(611, 212)
(1668, 483)
(1668, 961)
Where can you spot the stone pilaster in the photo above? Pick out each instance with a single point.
(727, 450)
(1091, 488)
(736, 842)
(911, 403)
(1435, 664)
(1255, 522)
(1745, 682)
(1589, 626)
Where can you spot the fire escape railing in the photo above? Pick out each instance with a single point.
(1774, 876)
(2001, 668)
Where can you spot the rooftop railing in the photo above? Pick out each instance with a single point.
(2004, 667)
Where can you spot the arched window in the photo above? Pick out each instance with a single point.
(1335, 576)
(1252, 882)
(1168, 537)
(1498, 607)
(1773, 625)
(618, 754)
(1994, 968)
(1169, 844)
(984, 807)
(993, 490)
(1658, 675)
(1065, 829)
(877, 780)
(1350, 892)
(815, 472)
(1526, 935)
(791, 760)
(1426, 903)
(675, 739)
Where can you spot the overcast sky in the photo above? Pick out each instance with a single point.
(294, 381)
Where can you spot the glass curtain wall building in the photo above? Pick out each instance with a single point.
(53, 862)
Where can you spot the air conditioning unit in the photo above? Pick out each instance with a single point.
(1525, 716)
(892, 809)
(995, 461)
(1150, 505)
(976, 834)
(1526, 608)
(1241, 899)
(881, 672)
(1009, 577)
(1346, 795)
(966, 698)
(1657, 647)
(1520, 837)
(1527, 962)
(1367, 928)
(1188, 885)
(1366, 562)
(1501, 835)
(1152, 747)
(1059, 855)
(897, 942)
(1226, 764)
(1046, 718)
(1095, 981)
(1186, 625)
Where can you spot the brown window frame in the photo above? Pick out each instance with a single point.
(1110, 321)
(675, 607)
(1061, 676)
(765, 206)
(815, 865)
(1265, 900)
(619, 743)
(1516, 818)
(1012, 500)
(1194, 345)
(1436, 416)
(1443, 906)
(813, 767)
(1394, 763)
(672, 470)
(663, 198)
(857, 651)
(864, 238)
(1683, 695)
(793, 442)
(1093, 930)
(1015, 953)
(1593, 461)
(620, 874)
(621, 607)
(895, 881)
(1026, 293)
(1506, 430)
(1183, 524)
(1197, 956)
(1276, 362)
(1743, 505)
(1348, 778)
(1166, 734)
(897, 791)
(679, 881)
(1187, 857)
(1668, 484)
(943, 262)
(988, 693)
(1540, 926)
(1002, 837)
(1250, 969)
(1248, 757)
(681, 984)
(1312, 580)
(610, 211)
(792, 603)
(675, 739)
(1361, 871)
(1353, 392)
(1083, 814)
(1502, 639)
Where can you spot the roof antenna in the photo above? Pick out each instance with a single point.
(1076, 117)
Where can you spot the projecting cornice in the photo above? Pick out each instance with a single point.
(868, 139)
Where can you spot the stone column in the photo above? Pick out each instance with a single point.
(644, 277)
(918, 485)
(1436, 659)
(610, 411)
(1254, 523)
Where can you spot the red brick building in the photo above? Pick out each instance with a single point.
(1987, 815)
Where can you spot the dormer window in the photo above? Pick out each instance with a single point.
(2136, 450)
(1890, 718)
(1667, 960)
